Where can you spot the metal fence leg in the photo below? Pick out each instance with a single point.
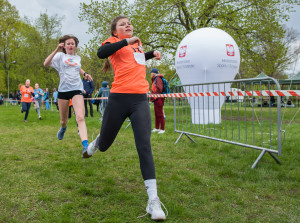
(178, 138)
(128, 124)
(186, 136)
(275, 158)
(190, 138)
(258, 159)
(261, 155)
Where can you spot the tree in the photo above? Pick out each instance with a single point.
(37, 40)
(162, 24)
(9, 26)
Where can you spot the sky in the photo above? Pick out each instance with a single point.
(71, 24)
(67, 8)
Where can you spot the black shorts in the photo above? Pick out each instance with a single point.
(68, 94)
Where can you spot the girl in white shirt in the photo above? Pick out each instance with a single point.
(70, 85)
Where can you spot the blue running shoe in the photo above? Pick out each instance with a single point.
(91, 149)
(84, 152)
(61, 133)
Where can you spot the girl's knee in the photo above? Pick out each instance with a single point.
(79, 118)
(63, 123)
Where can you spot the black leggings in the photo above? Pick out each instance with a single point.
(136, 107)
(26, 108)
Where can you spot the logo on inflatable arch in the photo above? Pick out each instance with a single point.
(230, 50)
(182, 51)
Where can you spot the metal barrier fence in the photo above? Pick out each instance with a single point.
(246, 118)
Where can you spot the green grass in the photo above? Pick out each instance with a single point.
(43, 179)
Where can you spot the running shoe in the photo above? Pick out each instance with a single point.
(155, 130)
(155, 210)
(61, 133)
(91, 150)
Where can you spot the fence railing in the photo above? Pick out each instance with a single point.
(241, 112)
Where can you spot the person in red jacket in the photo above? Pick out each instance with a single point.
(157, 88)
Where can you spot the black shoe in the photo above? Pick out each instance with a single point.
(22, 111)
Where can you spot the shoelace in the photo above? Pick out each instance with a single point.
(156, 203)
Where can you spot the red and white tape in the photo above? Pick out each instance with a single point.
(229, 93)
(209, 94)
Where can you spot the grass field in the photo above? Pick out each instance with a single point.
(43, 179)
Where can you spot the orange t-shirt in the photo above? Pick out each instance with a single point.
(129, 68)
(26, 93)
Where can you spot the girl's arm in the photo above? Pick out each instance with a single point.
(48, 60)
(110, 48)
(149, 55)
(83, 73)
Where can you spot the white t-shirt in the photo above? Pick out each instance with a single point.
(68, 67)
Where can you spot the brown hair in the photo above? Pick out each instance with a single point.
(66, 37)
(113, 26)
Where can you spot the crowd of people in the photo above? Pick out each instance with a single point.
(41, 98)
(127, 98)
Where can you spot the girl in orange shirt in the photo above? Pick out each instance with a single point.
(128, 98)
(27, 93)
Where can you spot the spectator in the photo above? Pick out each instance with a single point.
(272, 100)
(70, 108)
(55, 93)
(47, 99)
(19, 95)
(157, 88)
(104, 92)
(43, 99)
(96, 101)
(87, 94)
(1, 99)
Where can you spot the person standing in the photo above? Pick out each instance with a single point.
(47, 95)
(27, 93)
(1, 99)
(157, 88)
(128, 98)
(38, 95)
(88, 87)
(70, 86)
(55, 97)
(103, 93)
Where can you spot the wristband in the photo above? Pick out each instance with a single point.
(84, 74)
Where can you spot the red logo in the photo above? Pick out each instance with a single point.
(230, 50)
(182, 51)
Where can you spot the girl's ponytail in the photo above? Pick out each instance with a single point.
(106, 67)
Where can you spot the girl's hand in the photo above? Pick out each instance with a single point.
(60, 46)
(89, 77)
(157, 55)
(134, 40)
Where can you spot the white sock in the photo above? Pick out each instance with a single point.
(151, 188)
